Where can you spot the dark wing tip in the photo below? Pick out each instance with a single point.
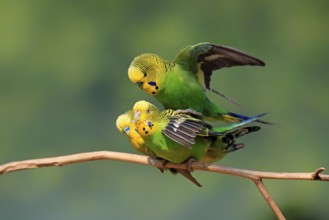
(237, 57)
(258, 62)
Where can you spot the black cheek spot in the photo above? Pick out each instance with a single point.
(157, 87)
(143, 129)
(153, 92)
(146, 132)
(145, 74)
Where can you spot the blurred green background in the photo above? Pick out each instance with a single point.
(63, 82)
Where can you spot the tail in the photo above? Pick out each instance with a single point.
(230, 138)
(241, 122)
(186, 174)
(241, 132)
(230, 116)
(225, 97)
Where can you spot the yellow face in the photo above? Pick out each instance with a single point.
(126, 125)
(144, 110)
(145, 77)
(145, 127)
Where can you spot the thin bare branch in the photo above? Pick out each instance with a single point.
(268, 198)
(255, 176)
(141, 159)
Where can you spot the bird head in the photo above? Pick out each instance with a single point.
(144, 110)
(126, 125)
(145, 71)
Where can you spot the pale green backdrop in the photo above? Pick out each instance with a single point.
(63, 82)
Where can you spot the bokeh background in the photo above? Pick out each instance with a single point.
(63, 82)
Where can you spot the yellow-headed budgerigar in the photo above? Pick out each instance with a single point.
(183, 82)
(178, 138)
(126, 125)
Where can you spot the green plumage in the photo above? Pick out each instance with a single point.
(126, 125)
(177, 138)
(183, 82)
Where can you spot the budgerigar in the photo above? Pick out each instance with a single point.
(126, 125)
(183, 82)
(178, 138)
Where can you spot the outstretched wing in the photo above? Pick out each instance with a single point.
(203, 58)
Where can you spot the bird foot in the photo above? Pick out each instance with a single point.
(162, 166)
(189, 163)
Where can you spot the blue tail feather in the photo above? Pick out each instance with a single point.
(243, 117)
(227, 128)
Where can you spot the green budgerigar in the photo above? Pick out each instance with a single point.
(126, 124)
(183, 82)
(179, 138)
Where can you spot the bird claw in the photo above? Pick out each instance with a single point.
(189, 163)
(162, 166)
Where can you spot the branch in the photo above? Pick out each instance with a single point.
(255, 176)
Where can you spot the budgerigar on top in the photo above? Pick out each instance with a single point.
(183, 82)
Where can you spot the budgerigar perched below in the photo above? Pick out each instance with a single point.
(179, 138)
(126, 125)
(183, 82)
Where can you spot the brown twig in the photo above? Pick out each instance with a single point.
(255, 176)
(268, 198)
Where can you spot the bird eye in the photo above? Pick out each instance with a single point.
(148, 111)
(126, 129)
(145, 74)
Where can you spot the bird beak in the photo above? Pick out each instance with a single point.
(137, 114)
(140, 84)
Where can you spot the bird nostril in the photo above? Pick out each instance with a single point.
(137, 115)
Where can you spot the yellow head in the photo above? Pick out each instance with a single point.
(146, 127)
(126, 125)
(146, 71)
(144, 110)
